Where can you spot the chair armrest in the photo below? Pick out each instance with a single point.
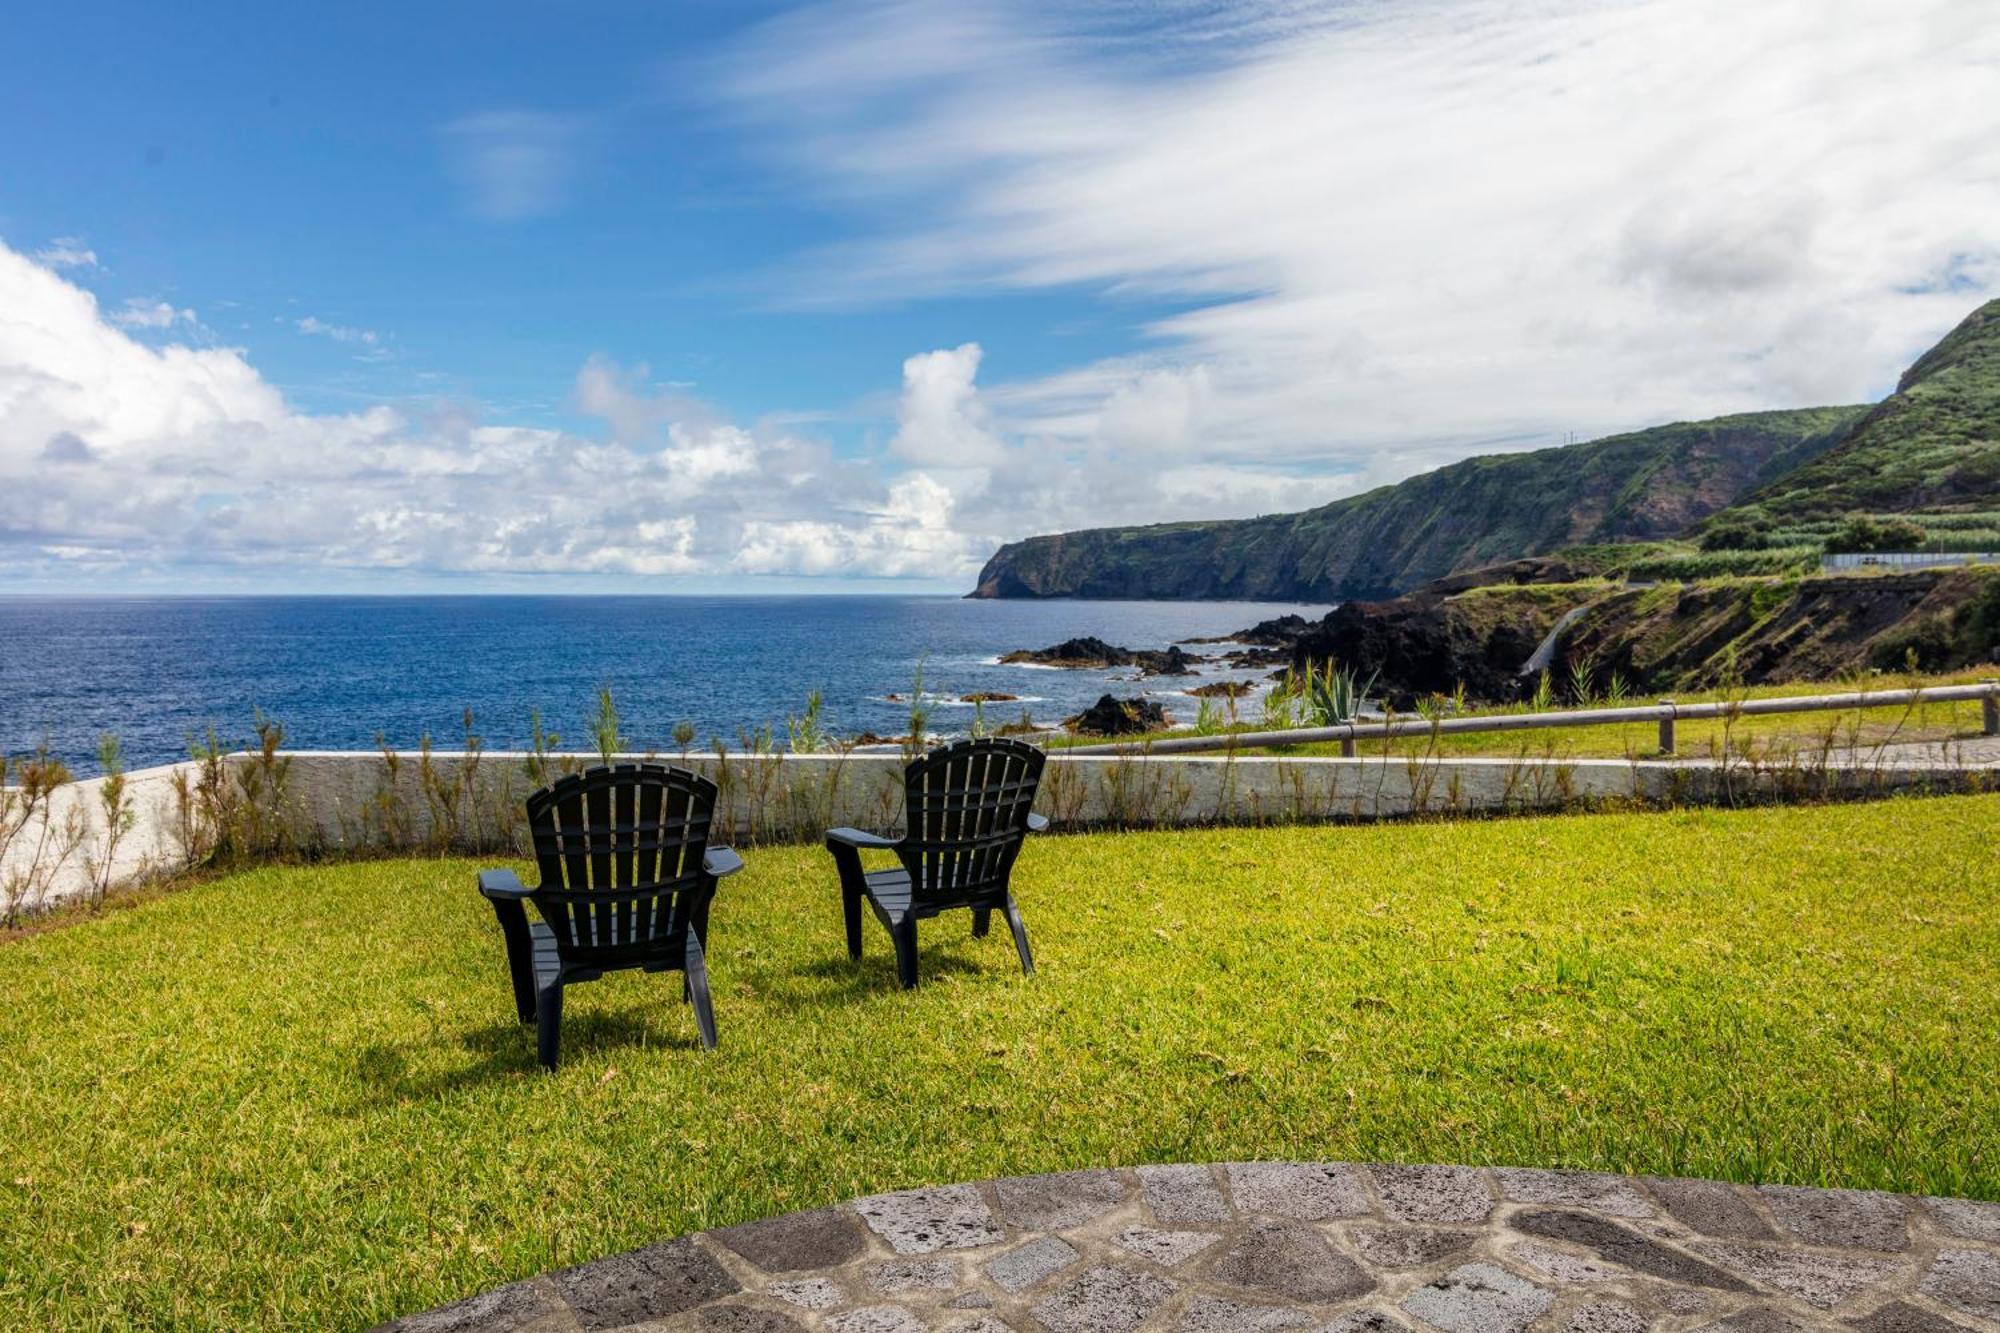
(1036, 823)
(721, 862)
(854, 837)
(502, 885)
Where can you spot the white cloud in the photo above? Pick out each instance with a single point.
(941, 419)
(513, 165)
(67, 252)
(1110, 444)
(1401, 233)
(340, 333)
(138, 313)
(116, 455)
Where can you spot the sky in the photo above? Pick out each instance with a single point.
(722, 296)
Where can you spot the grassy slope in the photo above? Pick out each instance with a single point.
(1935, 443)
(297, 1098)
(1647, 484)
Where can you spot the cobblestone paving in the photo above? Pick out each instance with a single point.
(1318, 1247)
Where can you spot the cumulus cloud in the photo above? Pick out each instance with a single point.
(941, 419)
(1114, 443)
(117, 455)
(513, 165)
(1397, 234)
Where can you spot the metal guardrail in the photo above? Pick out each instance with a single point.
(1666, 713)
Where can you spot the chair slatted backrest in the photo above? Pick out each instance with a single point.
(967, 806)
(621, 852)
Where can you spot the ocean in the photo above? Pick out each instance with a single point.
(341, 672)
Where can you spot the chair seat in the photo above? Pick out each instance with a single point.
(889, 890)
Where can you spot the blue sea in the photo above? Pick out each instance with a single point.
(339, 672)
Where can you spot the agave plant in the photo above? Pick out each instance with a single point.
(1334, 693)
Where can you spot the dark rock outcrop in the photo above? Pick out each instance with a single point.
(1090, 652)
(1423, 645)
(1118, 717)
(1276, 633)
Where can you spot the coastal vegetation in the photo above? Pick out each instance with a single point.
(323, 1115)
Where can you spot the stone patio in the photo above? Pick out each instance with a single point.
(1322, 1247)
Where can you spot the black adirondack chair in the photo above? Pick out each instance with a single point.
(967, 815)
(627, 876)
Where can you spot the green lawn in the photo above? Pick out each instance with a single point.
(296, 1097)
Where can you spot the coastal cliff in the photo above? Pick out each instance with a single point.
(1642, 486)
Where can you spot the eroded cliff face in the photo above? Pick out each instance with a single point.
(1673, 636)
(1773, 630)
(1642, 486)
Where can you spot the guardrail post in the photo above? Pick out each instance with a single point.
(1667, 727)
(1989, 708)
(1347, 741)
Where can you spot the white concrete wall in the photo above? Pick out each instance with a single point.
(349, 801)
(35, 872)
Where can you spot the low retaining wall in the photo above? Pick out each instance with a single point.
(334, 801)
(59, 856)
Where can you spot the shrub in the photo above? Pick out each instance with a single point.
(1862, 534)
(28, 821)
(1738, 534)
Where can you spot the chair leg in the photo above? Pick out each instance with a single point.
(548, 1026)
(847, 862)
(982, 921)
(1020, 929)
(520, 957)
(905, 935)
(850, 904)
(696, 977)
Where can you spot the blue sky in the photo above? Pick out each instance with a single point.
(266, 163)
(710, 296)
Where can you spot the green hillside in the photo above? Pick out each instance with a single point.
(1647, 485)
(1933, 445)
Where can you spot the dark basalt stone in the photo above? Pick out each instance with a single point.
(822, 1238)
(1290, 1261)
(1118, 717)
(1623, 1246)
(652, 1283)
